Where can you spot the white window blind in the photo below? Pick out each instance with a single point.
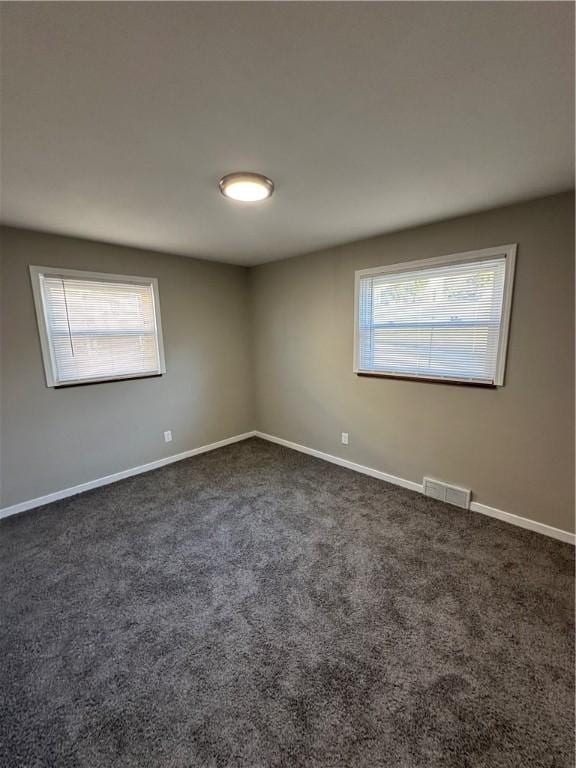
(96, 327)
(443, 318)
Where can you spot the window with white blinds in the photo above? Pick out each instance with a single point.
(97, 327)
(444, 318)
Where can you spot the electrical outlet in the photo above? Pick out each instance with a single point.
(168, 436)
(344, 438)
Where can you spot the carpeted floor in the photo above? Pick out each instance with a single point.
(255, 607)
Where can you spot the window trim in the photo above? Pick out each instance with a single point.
(483, 254)
(36, 274)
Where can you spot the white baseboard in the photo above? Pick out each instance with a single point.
(63, 494)
(524, 522)
(412, 486)
(475, 506)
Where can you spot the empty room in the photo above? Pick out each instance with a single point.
(287, 385)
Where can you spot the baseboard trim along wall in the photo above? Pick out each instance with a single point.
(475, 506)
(66, 492)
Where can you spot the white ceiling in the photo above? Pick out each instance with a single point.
(119, 118)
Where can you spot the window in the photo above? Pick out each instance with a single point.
(444, 319)
(96, 327)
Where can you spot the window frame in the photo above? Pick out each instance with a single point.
(50, 371)
(508, 252)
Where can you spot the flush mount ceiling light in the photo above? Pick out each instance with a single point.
(246, 187)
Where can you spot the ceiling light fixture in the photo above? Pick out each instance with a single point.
(246, 187)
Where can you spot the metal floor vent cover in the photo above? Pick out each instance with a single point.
(451, 494)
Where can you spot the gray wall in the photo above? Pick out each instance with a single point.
(512, 446)
(271, 348)
(57, 438)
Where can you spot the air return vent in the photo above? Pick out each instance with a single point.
(451, 494)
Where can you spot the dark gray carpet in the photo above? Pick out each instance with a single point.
(257, 607)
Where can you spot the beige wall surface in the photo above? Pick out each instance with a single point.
(513, 446)
(53, 439)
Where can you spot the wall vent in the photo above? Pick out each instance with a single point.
(451, 494)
